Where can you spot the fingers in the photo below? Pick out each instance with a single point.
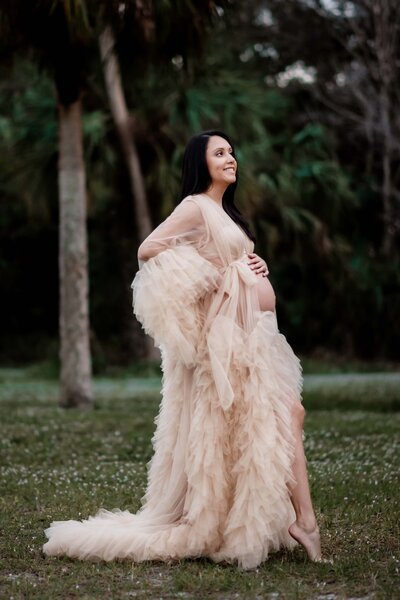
(263, 269)
(256, 261)
(257, 264)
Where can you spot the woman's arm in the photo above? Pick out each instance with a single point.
(184, 225)
(171, 281)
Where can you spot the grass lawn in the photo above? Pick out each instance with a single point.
(59, 464)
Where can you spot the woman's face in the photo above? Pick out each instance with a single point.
(220, 162)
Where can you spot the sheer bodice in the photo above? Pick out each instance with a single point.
(200, 222)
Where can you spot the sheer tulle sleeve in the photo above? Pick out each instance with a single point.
(172, 279)
(184, 226)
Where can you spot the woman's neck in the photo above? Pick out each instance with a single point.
(216, 193)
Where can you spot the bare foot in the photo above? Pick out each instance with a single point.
(309, 539)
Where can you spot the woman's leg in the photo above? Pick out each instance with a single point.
(305, 529)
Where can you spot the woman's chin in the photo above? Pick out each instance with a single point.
(230, 179)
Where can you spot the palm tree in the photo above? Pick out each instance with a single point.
(61, 36)
(57, 34)
(122, 121)
(162, 32)
(76, 389)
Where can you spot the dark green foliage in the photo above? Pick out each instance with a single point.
(315, 208)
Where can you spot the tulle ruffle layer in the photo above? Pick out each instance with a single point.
(166, 293)
(218, 480)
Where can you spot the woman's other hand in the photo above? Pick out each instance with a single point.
(257, 264)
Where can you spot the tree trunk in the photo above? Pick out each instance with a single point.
(121, 118)
(122, 123)
(76, 385)
(387, 188)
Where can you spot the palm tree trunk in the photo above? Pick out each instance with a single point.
(389, 227)
(122, 123)
(121, 118)
(76, 385)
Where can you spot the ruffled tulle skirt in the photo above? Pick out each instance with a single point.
(218, 482)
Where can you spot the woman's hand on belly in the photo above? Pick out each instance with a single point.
(257, 264)
(265, 291)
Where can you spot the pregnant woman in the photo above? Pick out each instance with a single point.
(228, 477)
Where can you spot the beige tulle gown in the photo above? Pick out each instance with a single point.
(223, 447)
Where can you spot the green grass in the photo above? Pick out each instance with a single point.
(326, 362)
(59, 464)
(353, 391)
(323, 363)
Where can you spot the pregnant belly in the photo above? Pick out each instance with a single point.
(266, 294)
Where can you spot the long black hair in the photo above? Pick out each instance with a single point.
(196, 178)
